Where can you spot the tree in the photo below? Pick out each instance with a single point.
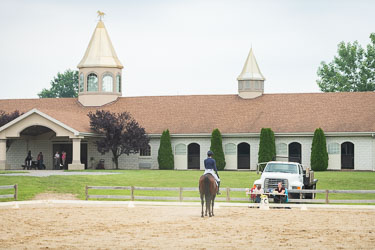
(64, 85)
(267, 148)
(353, 69)
(121, 133)
(319, 154)
(165, 154)
(8, 117)
(217, 149)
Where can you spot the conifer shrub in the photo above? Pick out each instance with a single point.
(217, 149)
(319, 154)
(267, 148)
(165, 154)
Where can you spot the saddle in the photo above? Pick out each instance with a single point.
(214, 179)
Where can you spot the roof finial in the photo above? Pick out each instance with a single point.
(100, 14)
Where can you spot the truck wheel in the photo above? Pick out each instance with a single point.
(311, 195)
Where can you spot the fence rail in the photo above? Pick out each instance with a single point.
(227, 192)
(133, 197)
(15, 195)
(327, 192)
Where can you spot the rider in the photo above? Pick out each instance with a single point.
(210, 167)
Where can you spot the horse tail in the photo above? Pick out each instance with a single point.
(207, 187)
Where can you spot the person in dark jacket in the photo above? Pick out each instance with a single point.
(28, 160)
(40, 160)
(210, 168)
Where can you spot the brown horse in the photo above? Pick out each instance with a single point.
(208, 190)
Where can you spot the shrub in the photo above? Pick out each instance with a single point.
(267, 148)
(319, 154)
(217, 149)
(165, 154)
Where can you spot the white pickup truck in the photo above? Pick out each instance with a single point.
(291, 174)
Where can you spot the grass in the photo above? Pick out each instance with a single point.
(31, 186)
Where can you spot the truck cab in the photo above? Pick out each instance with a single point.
(291, 174)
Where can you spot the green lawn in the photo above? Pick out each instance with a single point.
(30, 186)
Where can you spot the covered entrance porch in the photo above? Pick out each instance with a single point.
(37, 132)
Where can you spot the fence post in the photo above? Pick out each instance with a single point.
(327, 201)
(228, 194)
(87, 192)
(15, 192)
(132, 193)
(180, 194)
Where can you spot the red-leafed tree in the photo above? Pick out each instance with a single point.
(121, 133)
(7, 117)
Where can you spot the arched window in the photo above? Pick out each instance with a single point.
(281, 149)
(81, 87)
(118, 83)
(180, 149)
(107, 83)
(333, 148)
(247, 84)
(240, 84)
(145, 151)
(92, 82)
(230, 149)
(257, 84)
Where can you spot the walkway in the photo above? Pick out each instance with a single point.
(46, 173)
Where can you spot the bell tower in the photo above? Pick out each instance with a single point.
(251, 80)
(100, 80)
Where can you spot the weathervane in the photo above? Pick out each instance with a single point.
(100, 15)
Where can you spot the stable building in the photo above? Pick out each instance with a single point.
(61, 124)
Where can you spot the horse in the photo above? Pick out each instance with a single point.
(208, 189)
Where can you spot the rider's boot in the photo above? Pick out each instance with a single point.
(218, 188)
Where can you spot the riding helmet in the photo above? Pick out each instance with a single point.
(209, 153)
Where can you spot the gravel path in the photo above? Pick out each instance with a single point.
(46, 173)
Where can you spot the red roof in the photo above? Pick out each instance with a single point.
(284, 113)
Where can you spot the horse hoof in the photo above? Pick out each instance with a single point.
(202, 216)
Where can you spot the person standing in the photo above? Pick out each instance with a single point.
(210, 168)
(40, 160)
(28, 160)
(63, 158)
(57, 160)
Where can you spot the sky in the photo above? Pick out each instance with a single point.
(179, 47)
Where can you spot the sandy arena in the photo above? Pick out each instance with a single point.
(56, 226)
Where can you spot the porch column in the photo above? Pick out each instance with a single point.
(3, 154)
(76, 159)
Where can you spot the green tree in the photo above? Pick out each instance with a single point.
(319, 154)
(267, 148)
(165, 154)
(63, 85)
(353, 69)
(217, 149)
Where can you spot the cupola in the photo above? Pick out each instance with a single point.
(99, 70)
(251, 80)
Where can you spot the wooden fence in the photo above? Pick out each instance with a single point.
(133, 197)
(15, 195)
(327, 192)
(227, 192)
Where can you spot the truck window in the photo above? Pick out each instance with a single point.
(282, 168)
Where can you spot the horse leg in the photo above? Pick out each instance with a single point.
(209, 207)
(213, 203)
(202, 202)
